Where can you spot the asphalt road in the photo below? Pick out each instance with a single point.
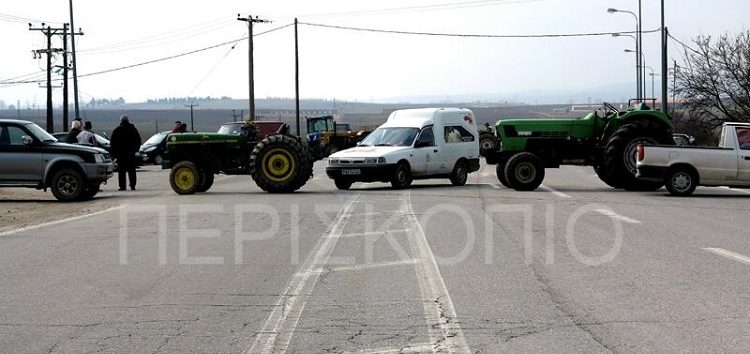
(572, 267)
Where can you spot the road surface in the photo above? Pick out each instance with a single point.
(572, 267)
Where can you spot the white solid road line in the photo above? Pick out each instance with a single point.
(613, 215)
(371, 265)
(61, 221)
(419, 348)
(555, 192)
(278, 329)
(727, 254)
(374, 233)
(442, 322)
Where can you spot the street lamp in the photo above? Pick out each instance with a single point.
(637, 63)
(637, 44)
(652, 74)
(643, 72)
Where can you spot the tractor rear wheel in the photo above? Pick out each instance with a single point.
(185, 178)
(602, 173)
(524, 172)
(280, 164)
(621, 151)
(488, 142)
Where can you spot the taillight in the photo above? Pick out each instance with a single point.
(641, 152)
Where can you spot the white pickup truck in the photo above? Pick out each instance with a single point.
(683, 168)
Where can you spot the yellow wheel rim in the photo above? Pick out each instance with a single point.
(278, 165)
(185, 178)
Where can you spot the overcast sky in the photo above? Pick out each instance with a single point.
(345, 64)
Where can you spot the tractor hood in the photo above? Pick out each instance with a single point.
(203, 138)
(548, 127)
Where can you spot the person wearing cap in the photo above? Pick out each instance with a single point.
(125, 142)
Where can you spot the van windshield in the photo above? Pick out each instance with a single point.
(391, 137)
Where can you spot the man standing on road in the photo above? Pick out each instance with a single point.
(125, 142)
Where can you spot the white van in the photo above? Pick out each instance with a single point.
(412, 144)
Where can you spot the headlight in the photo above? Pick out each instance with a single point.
(333, 161)
(375, 160)
(98, 158)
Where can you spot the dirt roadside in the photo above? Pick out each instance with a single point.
(20, 207)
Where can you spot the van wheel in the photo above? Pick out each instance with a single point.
(681, 182)
(68, 185)
(524, 172)
(402, 176)
(460, 174)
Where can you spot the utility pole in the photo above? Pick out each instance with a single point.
(250, 21)
(48, 32)
(640, 49)
(664, 60)
(192, 127)
(65, 78)
(75, 62)
(296, 74)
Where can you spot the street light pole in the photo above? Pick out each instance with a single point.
(639, 81)
(664, 54)
(637, 62)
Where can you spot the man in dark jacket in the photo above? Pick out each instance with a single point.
(125, 142)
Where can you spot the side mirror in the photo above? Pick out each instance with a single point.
(27, 140)
(691, 140)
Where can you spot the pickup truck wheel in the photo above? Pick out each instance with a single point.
(621, 150)
(681, 182)
(343, 183)
(68, 185)
(401, 176)
(500, 172)
(207, 180)
(524, 172)
(185, 178)
(460, 174)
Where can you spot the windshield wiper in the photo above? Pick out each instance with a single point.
(383, 144)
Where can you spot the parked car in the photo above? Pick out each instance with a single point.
(32, 158)
(412, 144)
(100, 140)
(154, 149)
(683, 168)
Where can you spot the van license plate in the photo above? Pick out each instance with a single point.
(351, 172)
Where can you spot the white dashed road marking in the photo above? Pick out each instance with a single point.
(727, 254)
(62, 221)
(613, 215)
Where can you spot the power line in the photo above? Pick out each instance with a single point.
(683, 44)
(474, 35)
(17, 19)
(433, 7)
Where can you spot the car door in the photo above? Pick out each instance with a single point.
(425, 153)
(743, 165)
(19, 163)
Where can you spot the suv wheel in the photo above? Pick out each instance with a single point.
(68, 185)
(91, 190)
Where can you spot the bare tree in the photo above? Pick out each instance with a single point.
(715, 83)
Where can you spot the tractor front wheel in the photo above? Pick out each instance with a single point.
(185, 178)
(524, 172)
(280, 164)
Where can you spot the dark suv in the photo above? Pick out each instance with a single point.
(30, 157)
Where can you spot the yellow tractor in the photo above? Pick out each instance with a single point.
(325, 136)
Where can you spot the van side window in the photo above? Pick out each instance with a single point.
(743, 138)
(426, 136)
(457, 134)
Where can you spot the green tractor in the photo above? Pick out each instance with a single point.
(277, 161)
(608, 142)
